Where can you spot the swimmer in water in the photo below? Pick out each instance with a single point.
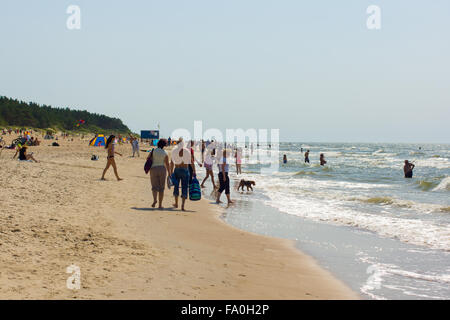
(408, 169)
(307, 156)
(322, 160)
(284, 159)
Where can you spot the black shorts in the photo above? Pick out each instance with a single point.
(224, 185)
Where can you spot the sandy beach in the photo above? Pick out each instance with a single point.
(57, 213)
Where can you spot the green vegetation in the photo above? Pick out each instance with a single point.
(15, 113)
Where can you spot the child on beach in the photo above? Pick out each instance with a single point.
(110, 158)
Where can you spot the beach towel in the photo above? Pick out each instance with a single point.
(195, 192)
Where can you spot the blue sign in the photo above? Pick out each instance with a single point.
(149, 134)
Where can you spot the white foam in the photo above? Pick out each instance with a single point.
(443, 185)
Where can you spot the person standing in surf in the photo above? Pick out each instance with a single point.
(322, 160)
(307, 156)
(408, 169)
(110, 158)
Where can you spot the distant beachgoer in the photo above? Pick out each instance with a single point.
(23, 156)
(307, 156)
(224, 180)
(158, 172)
(181, 159)
(301, 150)
(238, 157)
(203, 151)
(208, 164)
(408, 169)
(284, 159)
(192, 165)
(322, 160)
(135, 146)
(169, 141)
(110, 158)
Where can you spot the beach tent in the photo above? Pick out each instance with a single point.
(98, 141)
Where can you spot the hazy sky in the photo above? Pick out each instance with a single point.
(310, 68)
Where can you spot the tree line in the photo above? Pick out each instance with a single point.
(31, 115)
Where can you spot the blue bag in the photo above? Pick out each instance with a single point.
(195, 192)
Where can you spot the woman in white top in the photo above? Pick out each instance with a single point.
(158, 172)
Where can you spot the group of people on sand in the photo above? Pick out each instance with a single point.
(178, 172)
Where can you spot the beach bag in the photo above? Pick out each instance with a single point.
(195, 192)
(148, 163)
(170, 181)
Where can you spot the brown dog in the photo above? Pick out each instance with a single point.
(247, 184)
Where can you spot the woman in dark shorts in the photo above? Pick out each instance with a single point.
(224, 180)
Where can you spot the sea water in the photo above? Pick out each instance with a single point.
(387, 237)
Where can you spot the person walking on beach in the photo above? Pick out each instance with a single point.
(110, 158)
(208, 164)
(158, 172)
(224, 180)
(192, 165)
(203, 150)
(322, 160)
(408, 169)
(135, 146)
(238, 156)
(307, 156)
(180, 161)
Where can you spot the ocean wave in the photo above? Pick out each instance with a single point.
(416, 153)
(305, 173)
(382, 272)
(414, 231)
(426, 185)
(443, 185)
